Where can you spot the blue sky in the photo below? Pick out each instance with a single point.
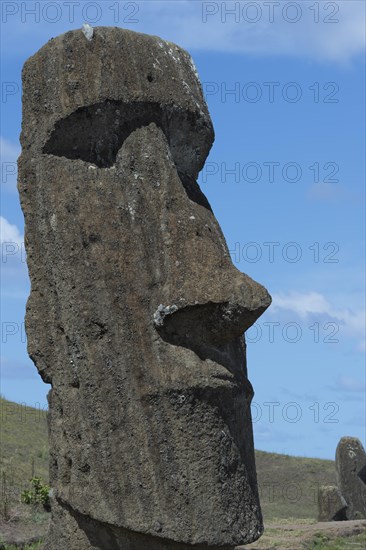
(284, 82)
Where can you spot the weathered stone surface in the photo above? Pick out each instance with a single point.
(331, 504)
(136, 312)
(351, 475)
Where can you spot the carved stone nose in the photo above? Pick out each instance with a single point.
(214, 323)
(210, 328)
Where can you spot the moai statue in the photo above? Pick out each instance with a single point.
(136, 313)
(331, 504)
(351, 475)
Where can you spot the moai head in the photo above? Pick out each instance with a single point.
(136, 312)
(351, 475)
(331, 504)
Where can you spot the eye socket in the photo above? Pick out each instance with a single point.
(95, 133)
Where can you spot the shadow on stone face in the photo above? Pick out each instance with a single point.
(97, 132)
(362, 474)
(89, 533)
(216, 325)
(341, 515)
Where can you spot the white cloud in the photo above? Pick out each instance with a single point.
(9, 154)
(17, 369)
(329, 35)
(253, 28)
(301, 303)
(330, 192)
(362, 345)
(326, 192)
(349, 385)
(9, 151)
(9, 233)
(307, 305)
(14, 276)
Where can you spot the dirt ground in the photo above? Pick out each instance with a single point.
(283, 535)
(286, 535)
(21, 533)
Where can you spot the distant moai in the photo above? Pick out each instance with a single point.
(351, 475)
(347, 500)
(331, 504)
(136, 313)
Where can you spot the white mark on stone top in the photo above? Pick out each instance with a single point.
(132, 211)
(53, 221)
(193, 67)
(171, 53)
(192, 218)
(162, 312)
(88, 31)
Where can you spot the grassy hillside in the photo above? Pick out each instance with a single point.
(24, 446)
(288, 485)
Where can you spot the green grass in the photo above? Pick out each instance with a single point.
(301, 535)
(24, 447)
(35, 546)
(324, 542)
(288, 485)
